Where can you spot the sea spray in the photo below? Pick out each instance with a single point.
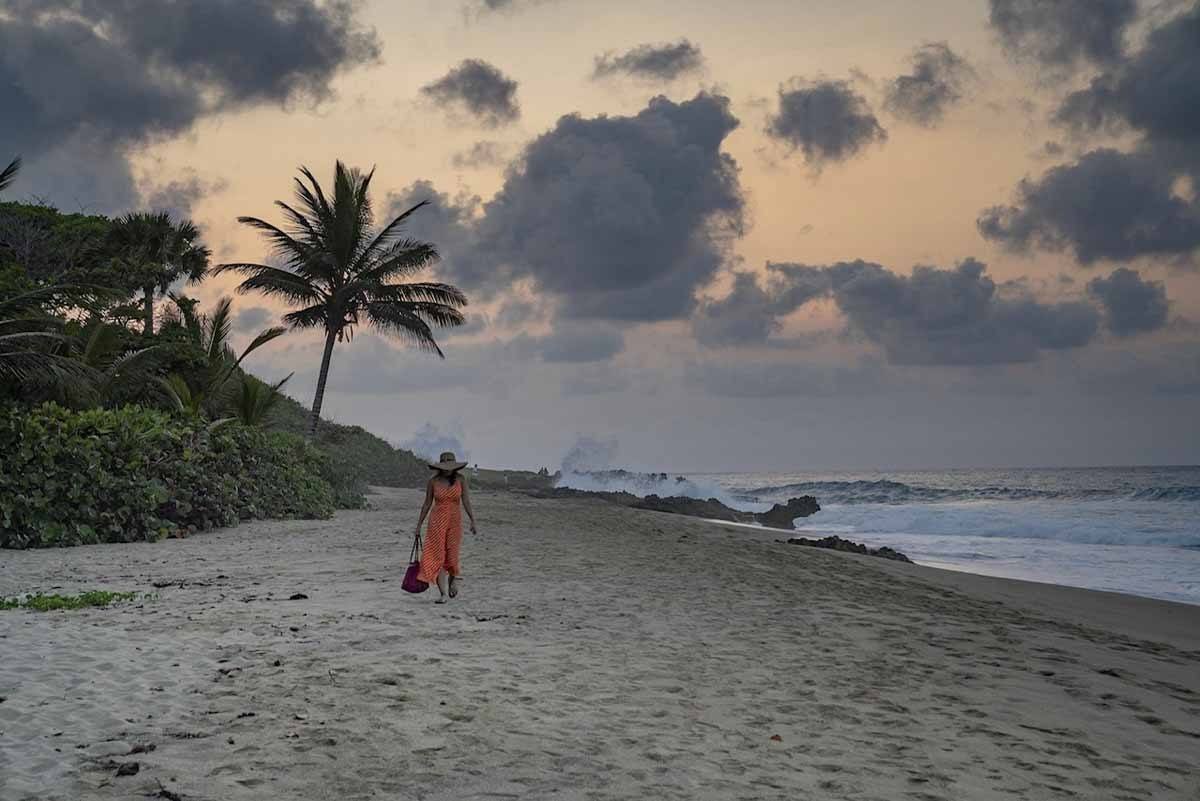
(429, 442)
(588, 465)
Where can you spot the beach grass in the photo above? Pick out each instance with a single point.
(48, 603)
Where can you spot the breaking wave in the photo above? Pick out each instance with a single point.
(896, 492)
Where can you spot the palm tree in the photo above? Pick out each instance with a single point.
(9, 173)
(209, 333)
(257, 399)
(31, 341)
(158, 252)
(105, 348)
(341, 271)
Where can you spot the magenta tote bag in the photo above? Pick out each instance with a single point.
(412, 581)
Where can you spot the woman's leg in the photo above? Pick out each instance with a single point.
(453, 548)
(441, 585)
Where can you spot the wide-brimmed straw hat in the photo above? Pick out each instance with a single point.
(447, 462)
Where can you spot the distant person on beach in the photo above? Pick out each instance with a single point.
(447, 494)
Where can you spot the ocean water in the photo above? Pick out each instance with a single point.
(1134, 530)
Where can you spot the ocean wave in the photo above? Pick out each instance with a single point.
(662, 484)
(896, 492)
(1109, 523)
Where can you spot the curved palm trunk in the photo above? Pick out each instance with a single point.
(148, 311)
(315, 418)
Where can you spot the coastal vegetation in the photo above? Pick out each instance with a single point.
(53, 602)
(126, 413)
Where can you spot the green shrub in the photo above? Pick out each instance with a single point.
(121, 475)
(50, 603)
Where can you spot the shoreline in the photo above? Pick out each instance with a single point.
(596, 652)
(906, 543)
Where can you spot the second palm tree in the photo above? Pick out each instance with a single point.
(340, 271)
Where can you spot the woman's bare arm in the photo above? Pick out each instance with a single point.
(466, 502)
(425, 506)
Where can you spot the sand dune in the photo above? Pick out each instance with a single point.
(596, 653)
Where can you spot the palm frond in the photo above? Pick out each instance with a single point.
(263, 337)
(308, 317)
(274, 281)
(302, 223)
(400, 321)
(19, 339)
(403, 258)
(103, 340)
(34, 300)
(282, 243)
(385, 236)
(257, 399)
(421, 292)
(33, 368)
(314, 199)
(127, 368)
(180, 395)
(219, 326)
(9, 173)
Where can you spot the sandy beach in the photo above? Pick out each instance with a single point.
(596, 652)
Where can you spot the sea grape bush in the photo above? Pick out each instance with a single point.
(120, 475)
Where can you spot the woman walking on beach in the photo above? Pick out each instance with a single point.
(443, 540)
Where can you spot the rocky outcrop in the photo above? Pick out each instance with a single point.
(839, 544)
(779, 516)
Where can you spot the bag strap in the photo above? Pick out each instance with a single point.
(416, 549)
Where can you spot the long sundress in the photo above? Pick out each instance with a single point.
(443, 537)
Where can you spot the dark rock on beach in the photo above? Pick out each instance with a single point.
(779, 516)
(839, 544)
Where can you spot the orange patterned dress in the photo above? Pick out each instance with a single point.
(443, 537)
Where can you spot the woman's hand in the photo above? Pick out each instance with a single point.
(473, 530)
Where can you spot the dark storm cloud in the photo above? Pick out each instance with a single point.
(515, 313)
(955, 316)
(252, 319)
(746, 315)
(452, 223)
(934, 317)
(580, 343)
(750, 314)
(478, 88)
(1131, 305)
(825, 120)
(655, 62)
(1155, 91)
(118, 74)
(483, 7)
(480, 154)
(614, 217)
(1063, 33)
(1117, 206)
(1107, 206)
(938, 78)
(180, 196)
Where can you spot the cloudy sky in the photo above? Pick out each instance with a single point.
(779, 234)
